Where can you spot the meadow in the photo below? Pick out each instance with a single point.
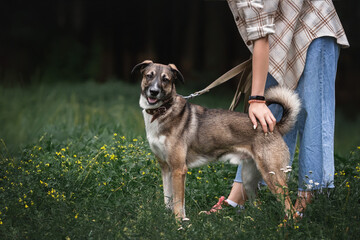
(75, 164)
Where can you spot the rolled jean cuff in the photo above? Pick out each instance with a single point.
(238, 177)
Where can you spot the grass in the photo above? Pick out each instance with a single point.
(74, 164)
(68, 110)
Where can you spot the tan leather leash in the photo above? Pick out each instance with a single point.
(244, 84)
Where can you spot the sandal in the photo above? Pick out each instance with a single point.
(217, 206)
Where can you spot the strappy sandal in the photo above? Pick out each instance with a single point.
(218, 206)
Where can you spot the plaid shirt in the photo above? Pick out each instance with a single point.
(291, 25)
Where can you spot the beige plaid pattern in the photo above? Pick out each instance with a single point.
(291, 25)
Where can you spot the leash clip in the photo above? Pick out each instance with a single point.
(192, 95)
(195, 94)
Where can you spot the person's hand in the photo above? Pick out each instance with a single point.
(259, 111)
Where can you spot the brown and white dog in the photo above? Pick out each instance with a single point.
(184, 135)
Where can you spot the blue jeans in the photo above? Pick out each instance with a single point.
(316, 120)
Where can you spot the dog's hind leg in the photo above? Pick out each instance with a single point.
(271, 169)
(251, 177)
(167, 184)
(278, 186)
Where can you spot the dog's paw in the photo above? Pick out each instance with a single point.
(185, 224)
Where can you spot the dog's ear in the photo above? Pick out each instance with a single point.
(177, 73)
(141, 66)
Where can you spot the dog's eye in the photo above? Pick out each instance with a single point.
(166, 80)
(149, 75)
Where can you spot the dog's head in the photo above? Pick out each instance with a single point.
(158, 83)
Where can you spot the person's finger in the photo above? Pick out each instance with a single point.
(270, 123)
(253, 119)
(274, 121)
(273, 118)
(263, 124)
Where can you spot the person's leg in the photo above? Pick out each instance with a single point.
(237, 193)
(320, 96)
(315, 123)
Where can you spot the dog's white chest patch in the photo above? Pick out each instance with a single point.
(157, 142)
(157, 145)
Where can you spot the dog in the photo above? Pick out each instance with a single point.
(184, 135)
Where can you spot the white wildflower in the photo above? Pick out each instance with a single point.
(287, 169)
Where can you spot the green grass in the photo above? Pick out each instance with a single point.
(74, 164)
(68, 111)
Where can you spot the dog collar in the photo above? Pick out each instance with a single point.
(157, 112)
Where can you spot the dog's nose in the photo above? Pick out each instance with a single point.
(154, 92)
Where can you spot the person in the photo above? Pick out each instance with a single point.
(294, 44)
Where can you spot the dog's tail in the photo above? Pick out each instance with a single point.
(290, 102)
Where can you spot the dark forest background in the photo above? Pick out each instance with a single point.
(99, 40)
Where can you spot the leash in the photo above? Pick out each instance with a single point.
(243, 86)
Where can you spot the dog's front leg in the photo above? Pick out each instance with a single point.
(167, 184)
(179, 171)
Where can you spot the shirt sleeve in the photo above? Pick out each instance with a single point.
(259, 16)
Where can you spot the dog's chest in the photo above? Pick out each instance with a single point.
(156, 141)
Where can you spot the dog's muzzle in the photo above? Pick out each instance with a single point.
(153, 94)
